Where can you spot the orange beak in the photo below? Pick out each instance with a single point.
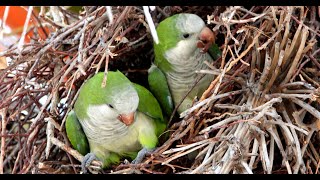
(127, 119)
(206, 39)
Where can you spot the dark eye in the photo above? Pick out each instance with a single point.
(110, 106)
(186, 35)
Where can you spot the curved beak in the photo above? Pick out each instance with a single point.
(206, 39)
(127, 119)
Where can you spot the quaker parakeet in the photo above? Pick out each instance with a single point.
(119, 120)
(184, 44)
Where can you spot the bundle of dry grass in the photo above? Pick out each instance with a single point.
(259, 115)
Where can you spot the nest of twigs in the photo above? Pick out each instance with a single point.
(259, 115)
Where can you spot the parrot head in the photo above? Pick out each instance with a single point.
(117, 100)
(183, 33)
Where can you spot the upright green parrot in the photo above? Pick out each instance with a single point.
(119, 120)
(184, 44)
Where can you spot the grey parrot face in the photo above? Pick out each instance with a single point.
(123, 102)
(189, 27)
(111, 119)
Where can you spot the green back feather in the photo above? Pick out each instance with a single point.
(165, 29)
(149, 105)
(76, 135)
(159, 87)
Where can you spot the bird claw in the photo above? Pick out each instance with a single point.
(141, 154)
(86, 161)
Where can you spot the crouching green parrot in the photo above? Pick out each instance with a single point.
(184, 44)
(119, 120)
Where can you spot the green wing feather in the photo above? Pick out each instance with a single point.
(76, 135)
(214, 51)
(76, 9)
(160, 89)
(149, 105)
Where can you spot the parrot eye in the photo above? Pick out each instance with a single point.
(186, 35)
(110, 106)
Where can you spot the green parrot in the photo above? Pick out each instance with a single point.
(184, 44)
(123, 119)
